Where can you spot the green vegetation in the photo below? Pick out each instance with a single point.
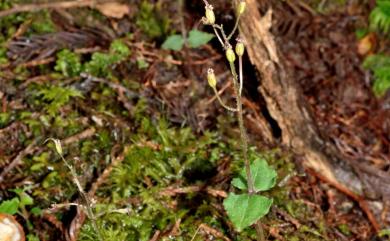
(379, 64)
(56, 97)
(380, 16)
(68, 63)
(171, 179)
(195, 40)
(151, 20)
(101, 62)
(245, 209)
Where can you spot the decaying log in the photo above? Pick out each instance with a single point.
(285, 103)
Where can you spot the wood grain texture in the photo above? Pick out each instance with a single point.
(286, 104)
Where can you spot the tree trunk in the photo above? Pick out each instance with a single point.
(286, 105)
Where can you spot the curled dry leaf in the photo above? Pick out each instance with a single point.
(367, 44)
(10, 229)
(113, 9)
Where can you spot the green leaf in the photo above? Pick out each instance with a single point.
(197, 38)
(244, 209)
(24, 198)
(173, 42)
(263, 176)
(10, 206)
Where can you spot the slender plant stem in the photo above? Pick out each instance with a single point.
(244, 143)
(224, 35)
(219, 37)
(182, 24)
(238, 85)
(223, 104)
(259, 231)
(234, 29)
(244, 137)
(240, 74)
(84, 196)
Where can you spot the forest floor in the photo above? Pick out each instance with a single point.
(145, 134)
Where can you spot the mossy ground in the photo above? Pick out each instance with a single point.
(170, 180)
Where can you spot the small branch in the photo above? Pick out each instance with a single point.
(51, 5)
(87, 133)
(18, 159)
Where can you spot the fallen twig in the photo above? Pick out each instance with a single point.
(171, 191)
(79, 136)
(103, 177)
(28, 150)
(209, 230)
(359, 199)
(51, 5)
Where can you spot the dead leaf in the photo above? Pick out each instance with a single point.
(367, 44)
(113, 9)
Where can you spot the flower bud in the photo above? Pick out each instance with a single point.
(241, 7)
(240, 48)
(231, 57)
(211, 78)
(210, 16)
(57, 145)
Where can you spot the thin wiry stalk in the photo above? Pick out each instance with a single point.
(219, 37)
(222, 103)
(244, 144)
(244, 137)
(238, 85)
(240, 70)
(234, 29)
(84, 196)
(259, 231)
(224, 35)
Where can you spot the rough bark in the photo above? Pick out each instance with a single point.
(287, 106)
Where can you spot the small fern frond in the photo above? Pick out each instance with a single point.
(380, 16)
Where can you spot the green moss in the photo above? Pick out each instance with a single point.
(101, 63)
(344, 229)
(41, 23)
(68, 63)
(152, 22)
(56, 97)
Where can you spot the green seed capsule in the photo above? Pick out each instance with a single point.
(231, 57)
(240, 49)
(210, 16)
(241, 7)
(211, 78)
